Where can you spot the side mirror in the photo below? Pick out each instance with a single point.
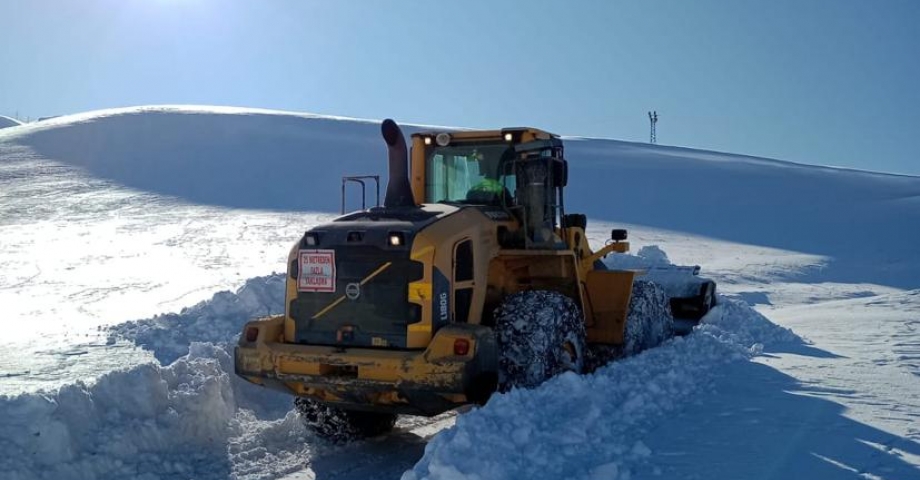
(618, 234)
(561, 173)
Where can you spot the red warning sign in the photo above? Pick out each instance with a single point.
(317, 271)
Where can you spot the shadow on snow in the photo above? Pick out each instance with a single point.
(770, 426)
(865, 223)
(381, 458)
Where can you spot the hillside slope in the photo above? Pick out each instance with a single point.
(864, 223)
(7, 122)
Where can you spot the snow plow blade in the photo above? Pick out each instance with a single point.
(691, 296)
(417, 382)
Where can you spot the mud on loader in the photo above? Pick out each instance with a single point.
(470, 279)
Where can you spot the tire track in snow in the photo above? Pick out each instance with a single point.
(385, 457)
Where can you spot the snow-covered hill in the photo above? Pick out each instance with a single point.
(864, 223)
(117, 215)
(7, 122)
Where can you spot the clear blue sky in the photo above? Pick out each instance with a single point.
(833, 82)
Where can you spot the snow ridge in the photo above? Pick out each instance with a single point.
(191, 419)
(589, 427)
(218, 320)
(249, 158)
(7, 122)
(195, 419)
(147, 422)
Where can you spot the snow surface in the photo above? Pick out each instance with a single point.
(7, 122)
(112, 216)
(178, 421)
(189, 417)
(593, 426)
(146, 419)
(82, 252)
(248, 159)
(217, 320)
(653, 264)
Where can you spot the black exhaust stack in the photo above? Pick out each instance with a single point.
(399, 193)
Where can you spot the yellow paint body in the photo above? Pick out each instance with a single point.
(427, 377)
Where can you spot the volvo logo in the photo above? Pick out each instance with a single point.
(353, 291)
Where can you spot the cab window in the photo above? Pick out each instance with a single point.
(466, 174)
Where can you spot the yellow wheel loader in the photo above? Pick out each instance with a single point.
(470, 279)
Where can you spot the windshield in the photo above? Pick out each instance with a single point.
(467, 174)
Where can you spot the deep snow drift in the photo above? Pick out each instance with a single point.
(108, 217)
(190, 419)
(592, 426)
(195, 419)
(217, 320)
(142, 422)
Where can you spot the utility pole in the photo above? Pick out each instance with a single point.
(653, 120)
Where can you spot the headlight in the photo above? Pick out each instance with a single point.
(397, 239)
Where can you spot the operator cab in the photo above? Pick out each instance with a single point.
(522, 171)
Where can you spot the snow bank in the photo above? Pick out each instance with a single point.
(677, 281)
(590, 427)
(195, 419)
(647, 256)
(734, 322)
(218, 320)
(191, 419)
(148, 422)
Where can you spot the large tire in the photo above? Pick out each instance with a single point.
(341, 426)
(712, 296)
(648, 324)
(540, 334)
